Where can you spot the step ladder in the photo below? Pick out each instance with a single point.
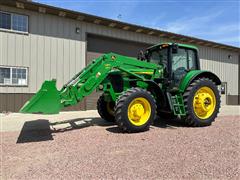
(177, 104)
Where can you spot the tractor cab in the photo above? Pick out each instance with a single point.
(177, 60)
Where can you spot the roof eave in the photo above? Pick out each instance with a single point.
(43, 8)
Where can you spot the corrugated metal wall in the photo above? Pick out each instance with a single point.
(217, 61)
(53, 49)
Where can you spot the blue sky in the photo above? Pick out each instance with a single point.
(215, 20)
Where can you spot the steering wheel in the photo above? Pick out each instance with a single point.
(180, 70)
(179, 73)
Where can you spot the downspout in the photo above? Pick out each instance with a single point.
(239, 79)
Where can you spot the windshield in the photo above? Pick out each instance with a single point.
(159, 56)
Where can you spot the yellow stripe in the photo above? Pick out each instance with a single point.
(143, 72)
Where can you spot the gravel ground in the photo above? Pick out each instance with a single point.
(98, 150)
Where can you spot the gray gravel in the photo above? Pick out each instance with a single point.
(98, 150)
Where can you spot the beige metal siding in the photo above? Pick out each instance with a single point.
(52, 49)
(217, 61)
(121, 34)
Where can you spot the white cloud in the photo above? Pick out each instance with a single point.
(189, 24)
(207, 26)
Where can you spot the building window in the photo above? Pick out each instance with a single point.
(19, 22)
(13, 22)
(16, 76)
(5, 20)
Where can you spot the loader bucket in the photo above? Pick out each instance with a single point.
(46, 100)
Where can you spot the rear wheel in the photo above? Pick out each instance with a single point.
(202, 102)
(106, 109)
(135, 110)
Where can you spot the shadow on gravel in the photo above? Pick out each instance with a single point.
(78, 123)
(168, 123)
(159, 123)
(114, 129)
(34, 131)
(42, 129)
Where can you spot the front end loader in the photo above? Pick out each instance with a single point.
(165, 81)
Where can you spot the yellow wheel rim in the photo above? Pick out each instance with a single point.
(204, 102)
(139, 111)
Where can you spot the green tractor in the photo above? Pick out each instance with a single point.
(166, 80)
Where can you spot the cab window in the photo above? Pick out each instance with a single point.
(179, 60)
(159, 56)
(155, 57)
(192, 59)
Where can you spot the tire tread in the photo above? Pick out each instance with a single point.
(189, 119)
(120, 103)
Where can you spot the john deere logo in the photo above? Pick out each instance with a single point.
(98, 74)
(113, 57)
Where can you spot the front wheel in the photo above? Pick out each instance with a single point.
(135, 110)
(202, 102)
(106, 109)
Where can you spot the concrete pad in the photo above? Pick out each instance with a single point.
(229, 110)
(15, 121)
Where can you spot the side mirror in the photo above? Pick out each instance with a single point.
(174, 48)
(146, 55)
(141, 56)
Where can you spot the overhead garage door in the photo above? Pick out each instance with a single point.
(98, 45)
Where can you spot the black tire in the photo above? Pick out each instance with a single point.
(106, 109)
(192, 119)
(121, 110)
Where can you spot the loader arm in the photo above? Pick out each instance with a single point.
(48, 100)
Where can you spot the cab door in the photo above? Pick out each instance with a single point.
(182, 61)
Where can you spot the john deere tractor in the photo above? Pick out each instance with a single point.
(166, 80)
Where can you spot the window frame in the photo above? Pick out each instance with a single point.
(12, 30)
(195, 56)
(16, 85)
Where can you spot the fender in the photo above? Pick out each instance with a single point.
(195, 74)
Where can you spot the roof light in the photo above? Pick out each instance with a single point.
(164, 45)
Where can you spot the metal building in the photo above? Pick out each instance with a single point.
(39, 42)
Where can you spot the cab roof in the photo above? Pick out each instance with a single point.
(169, 44)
